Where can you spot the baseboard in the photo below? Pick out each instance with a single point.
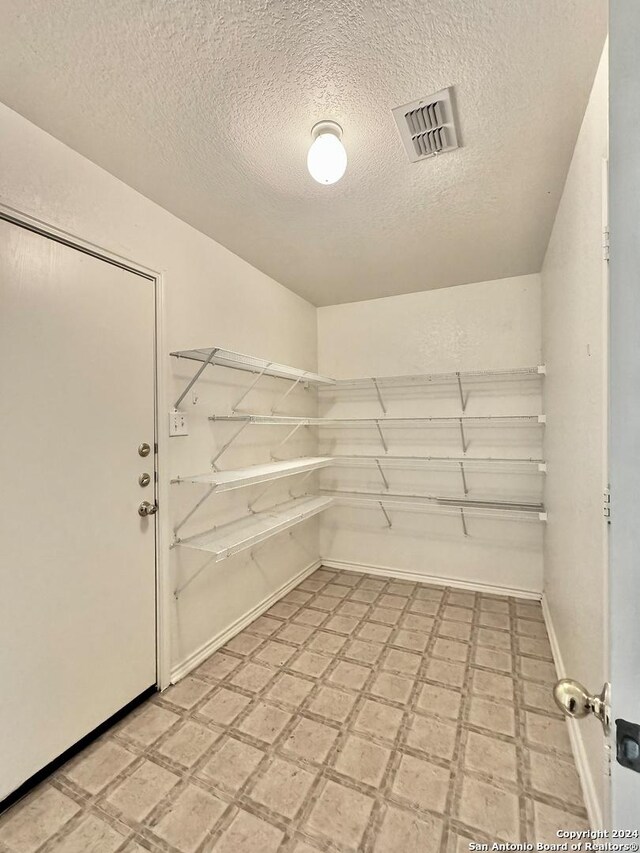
(212, 645)
(401, 574)
(592, 805)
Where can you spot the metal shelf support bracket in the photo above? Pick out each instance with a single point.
(380, 400)
(234, 408)
(465, 446)
(463, 399)
(279, 402)
(464, 479)
(384, 479)
(228, 443)
(464, 522)
(197, 375)
(382, 438)
(386, 515)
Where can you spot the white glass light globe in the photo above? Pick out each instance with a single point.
(327, 157)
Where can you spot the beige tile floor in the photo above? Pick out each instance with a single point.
(358, 714)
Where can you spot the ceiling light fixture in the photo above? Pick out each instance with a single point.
(327, 157)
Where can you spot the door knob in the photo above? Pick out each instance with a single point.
(147, 508)
(574, 700)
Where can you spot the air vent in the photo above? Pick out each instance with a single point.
(427, 127)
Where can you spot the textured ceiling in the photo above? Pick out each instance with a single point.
(206, 108)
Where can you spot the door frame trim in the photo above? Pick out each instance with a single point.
(161, 404)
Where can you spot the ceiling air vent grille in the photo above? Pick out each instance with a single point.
(427, 127)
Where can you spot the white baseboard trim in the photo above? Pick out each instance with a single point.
(212, 645)
(592, 805)
(401, 574)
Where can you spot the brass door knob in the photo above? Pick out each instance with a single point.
(574, 700)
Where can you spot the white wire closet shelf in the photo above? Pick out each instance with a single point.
(451, 376)
(229, 539)
(488, 463)
(224, 481)
(442, 506)
(303, 421)
(252, 364)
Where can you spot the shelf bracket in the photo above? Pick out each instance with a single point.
(279, 402)
(303, 480)
(207, 494)
(464, 522)
(228, 443)
(381, 401)
(196, 377)
(382, 439)
(386, 515)
(463, 399)
(465, 446)
(289, 435)
(234, 408)
(464, 479)
(384, 479)
(180, 589)
(301, 545)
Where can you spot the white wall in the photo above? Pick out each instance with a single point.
(573, 325)
(488, 325)
(210, 297)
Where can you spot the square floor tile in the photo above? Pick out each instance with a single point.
(431, 735)
(252, 677)
(384, 615)
(439, 701)
(297, 597)
(310, 740)
(362, 651)
(351, 675)
(341, 624)
(249, 834)
(493, 716)
(417, 622)
(219, 665)
(332, 704)
(275, 654)
(494, 638)
(413, 640)
(311, 664)
(372, 583)
(547, 820)
(283, 609)
(489, 809)
(142, 791)
(326, 643)
(283, 787)
(493, 659)
(144, 727)
(537, 670)
(341, 815)
(336, 590)
(296, 634)
(403, 830)
(368, 596)
(265, 626)
(456, 630)
(224, 706)
(530, 628)
(362, 760)
(492, 685)
(495, 620)
(243, 644)
(264, 722)
(446, 672)
(290, 690)
(186, 693)
(539, 697)
(530, 610)
(395, 688)
(94, 768)
(187, 744)
(377, 719)
(374, 632)
(555, 777)
(550, 733)
(536, 647)
(495, 605)
(457, 614)
(395, 602)
(402, 662)
(36, 819)
(352, 608)
(424, 606)
(327, 603)
(421, 783)
(451, 650)
(231, 765)
(491, 756)
(307, 616)
(190, 817)
(91, 835)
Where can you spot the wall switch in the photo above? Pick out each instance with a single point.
(178, 423)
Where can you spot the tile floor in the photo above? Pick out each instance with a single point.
(358, 714)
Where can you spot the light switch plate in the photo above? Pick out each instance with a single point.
(178, 423)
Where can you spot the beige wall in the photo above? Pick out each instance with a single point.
(574, 349)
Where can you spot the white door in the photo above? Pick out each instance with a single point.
(624, 434)
(77, 561)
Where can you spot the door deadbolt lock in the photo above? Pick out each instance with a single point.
(574, 700)
(144, 449)
(147, 508)
(144, 479)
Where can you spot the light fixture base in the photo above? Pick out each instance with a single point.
(326, 127)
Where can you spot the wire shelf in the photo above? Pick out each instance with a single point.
(288, 420)
(451, 376)
(252, 364)
(225, 481)
(236, 536)
(487, 463)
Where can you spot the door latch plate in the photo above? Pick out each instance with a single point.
(628, 744)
